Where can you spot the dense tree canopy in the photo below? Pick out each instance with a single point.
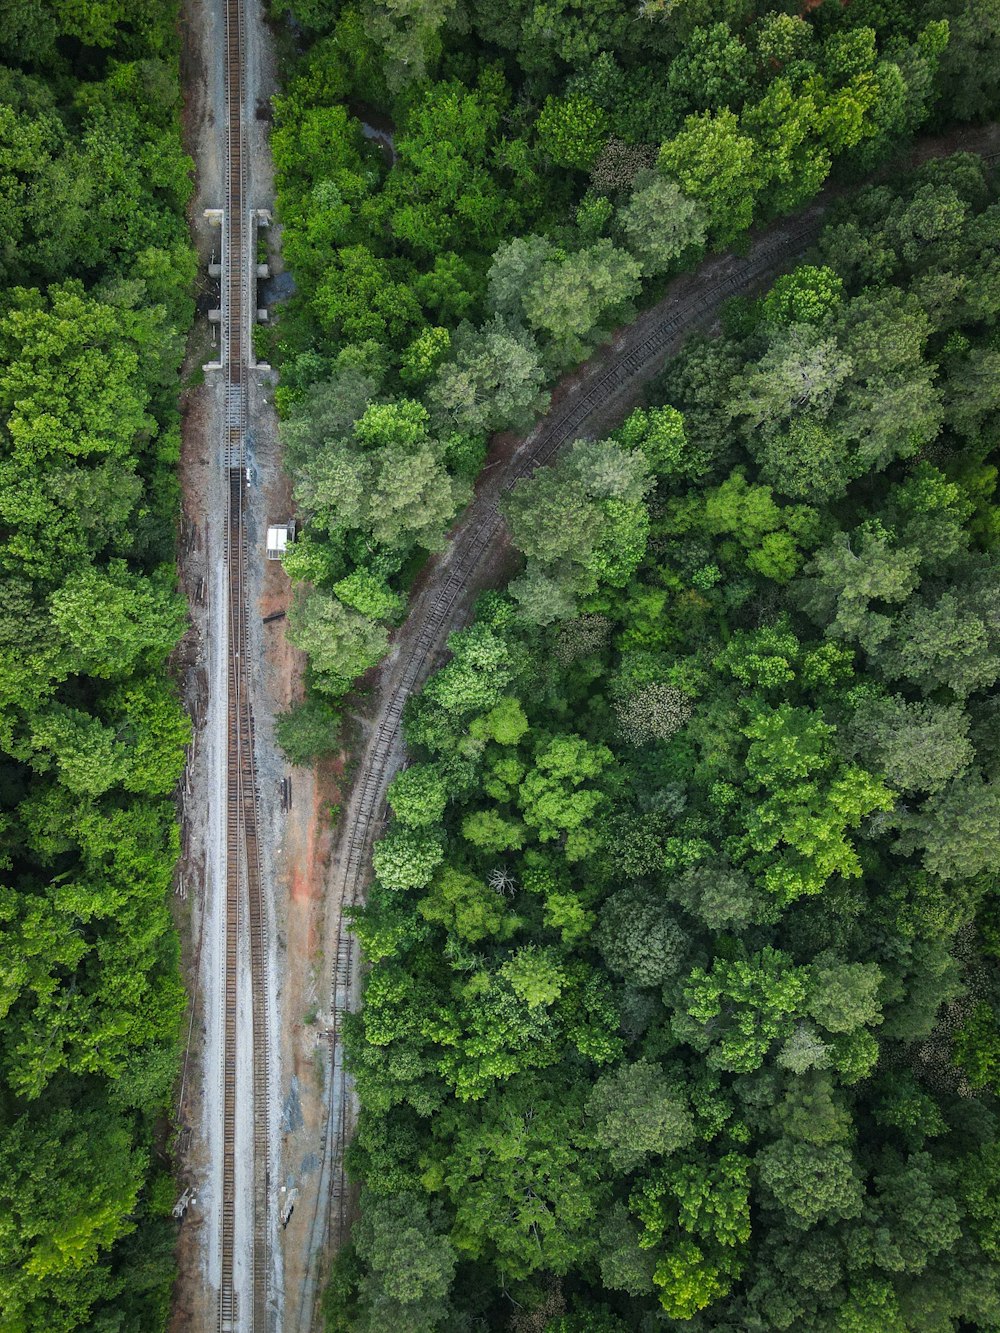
(676, 1014)
(683, 1007)
(96, 273)
(551, 164)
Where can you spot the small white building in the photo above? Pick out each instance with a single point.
(277, 541)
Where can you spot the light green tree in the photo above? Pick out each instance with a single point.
(638, 1114)
(340, 642)
(715, 165)
(418, 796)
(660, 225)
(113, 621)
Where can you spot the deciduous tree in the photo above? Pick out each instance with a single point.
(341, 643)
(638, 1114)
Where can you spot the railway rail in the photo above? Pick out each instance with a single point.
(245, 907)
(441, 609)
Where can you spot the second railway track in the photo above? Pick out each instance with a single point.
(441, 609)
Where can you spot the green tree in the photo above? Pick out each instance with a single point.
(638, 1113)
(640, 938)
(979, 1176)
(717, 894)
(520, 1178)
(807, 460)
(658, 433)
(571, 130)
(308, 731)
(574, 300)
(154, 732)
(915, 1199)
(367, 592)
(464, 904)
(949, 639)
(810, 1182)
(88, 756)
(516, 266)
(787, 126)
(478, 674)
(919, 746)
(535, 975)
(358, 297)
(771, 534)
(406, 32)
(687, 1280)
(714, 69)
(714, 164)
(71, 1181)
(660, 225)
(423, 355)
(418, 796)
(848, 574)
(458, 183)
(491, 832)
(579, 522)
(113, 621)
(844, 996)
(624, 1265)
(390, 480)
(410, 1264)
(812, 801)
(407, 858)
(492, 382)
(807, 295)
(955, 828)
(735, 1011)
(800, 370)
(552, 798)
(506, 723)
(341, 643)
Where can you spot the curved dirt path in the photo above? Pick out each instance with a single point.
(589, 402)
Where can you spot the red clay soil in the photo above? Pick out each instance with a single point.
(308, 832)
(311, 838)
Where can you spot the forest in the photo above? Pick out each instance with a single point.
(96, 275)
(552, 166)
(681, 1003)
(683, 999)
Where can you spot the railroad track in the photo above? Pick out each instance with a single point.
(245, 909)
(441, 609)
